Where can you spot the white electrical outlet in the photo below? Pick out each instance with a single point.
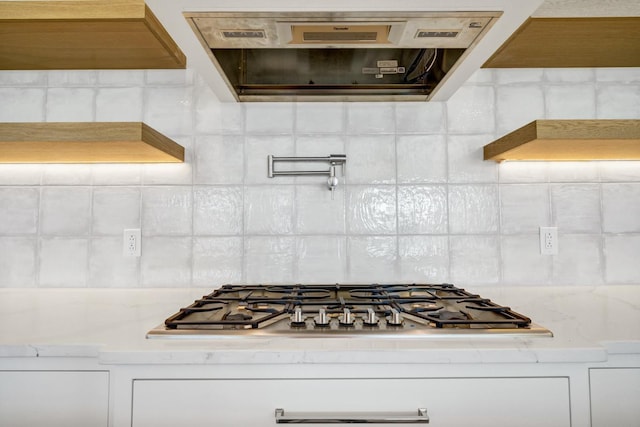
(131, 242)
(549, 240)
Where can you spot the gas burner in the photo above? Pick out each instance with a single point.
(389, 310)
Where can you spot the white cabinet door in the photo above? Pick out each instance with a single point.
(615, 397)
(53, 398)
(449, 402)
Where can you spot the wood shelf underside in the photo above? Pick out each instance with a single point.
(84, 35)
(92, 142)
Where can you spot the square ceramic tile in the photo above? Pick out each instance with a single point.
(269, 259)
(573, 171)
(108, 268)
(63, 262)
(214, 117)
(115, 209)
(70, 105)
(518, 75)
(421, 159)
(471, 110)
(618, 170)
(119, 104)
(19, 210)
(473, 209)
(217, 210)
(621, 208)
(424, 259)
(65, 211)
(522, 263)
(570, 101)
(66, 174)
(177, 77)
(165, 262)
(474, 259)
(23, 78)
(516, 172)
(269, 117)
(319, 118)
(166, 211)
(518, 105)
(569, 75)
(372, 259)
(618, 101)
(370, 118)
(18, 262)
(371, 159)
(257, 148)
(268, 209)
(420, 117)
(22, 104)
(466, 162)
(317, 213)
(524, 208)
(576, 207)
(618, 75)
(321, 259)
(20, 174)
(116, 174)
(217, 261)
(127, 78)
(579, 260)
(621, 259)
(219, 160)
(422, 209)
(72, 78)
(371, 210)
(168, 109)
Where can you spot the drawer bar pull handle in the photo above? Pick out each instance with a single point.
(351, 418)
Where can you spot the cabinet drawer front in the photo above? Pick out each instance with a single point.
(54, 398)
(449, 401)
(615, 397)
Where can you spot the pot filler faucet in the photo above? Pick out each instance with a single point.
(334, 160)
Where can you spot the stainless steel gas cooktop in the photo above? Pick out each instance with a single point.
(385, 310)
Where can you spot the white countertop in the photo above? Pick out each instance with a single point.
(589, 324)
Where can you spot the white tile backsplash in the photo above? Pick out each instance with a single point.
(18, 262)
(576, 207)
(371, 210)
(417, 202)
(19, 210)
(65, 211)
(422, 209)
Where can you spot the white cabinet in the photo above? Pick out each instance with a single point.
(53, 398)
(615, 397)
(449, 401)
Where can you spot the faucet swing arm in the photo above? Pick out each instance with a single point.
(333, 160)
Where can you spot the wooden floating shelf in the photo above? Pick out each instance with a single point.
(571, 42)
(558, 140)
(90, 142)
(84, 34)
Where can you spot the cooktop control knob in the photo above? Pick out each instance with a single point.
(297, 318)
(371, 319)
(321, 319)
(347, 318)
(395, 319)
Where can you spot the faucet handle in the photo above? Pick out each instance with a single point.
(332, 181)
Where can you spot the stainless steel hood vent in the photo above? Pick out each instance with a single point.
(343, 56)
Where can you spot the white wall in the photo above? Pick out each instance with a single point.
(419, 203)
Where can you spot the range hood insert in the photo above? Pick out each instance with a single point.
(346, 56)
